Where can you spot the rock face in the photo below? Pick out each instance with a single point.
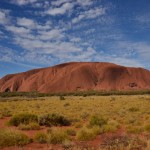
(78, 76)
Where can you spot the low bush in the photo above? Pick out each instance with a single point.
(1, 116)
(12, 138)
(71, 132)
(6, 113)
(57, 137)
(133, 109)
(85, 135)
(134, 129)
(30, 126)
(78, 125)
(61, 97)
(147, 128)
(68, 145)
(23, 118)
(40, 137)
(53, 120)
(97, 130)
(98, 121)
(111, 126)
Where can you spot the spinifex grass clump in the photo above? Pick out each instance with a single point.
(57, 137)
(147, 128)
(85, 134)
(98, 121)
(53, 120)
(12, 138)
(30, 126)
(40, 137)
(24, 118)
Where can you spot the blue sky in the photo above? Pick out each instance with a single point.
(41, 33)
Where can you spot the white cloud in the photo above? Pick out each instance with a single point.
(53, 41)
(31, 24)
(85, 2)
(130, 53)
(143, 19)
(90, 14)
(60, 10)
(23, 2)
(51, 35)
(4, 16)
(124, 61)
(75, 39)
(59, 2)
(28, 23)
(17, 30)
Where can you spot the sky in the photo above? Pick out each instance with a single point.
(42, 33)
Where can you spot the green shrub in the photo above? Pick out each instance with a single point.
(133, 109)
(62, 98)
(134, 129)
(147, 128)
(68, 145)
(71, 132)
(84, 95)
(53, 120)
(12, 138)
(84, 115)
(1, 116)
(97, 130)
(109, 128)
(97, 121)
(23, 118)
(78, 125)
(57, 137)
(40, 137)
(6, 113)
(66, 104)
(30, 126)
(85, 135)
(113, 123)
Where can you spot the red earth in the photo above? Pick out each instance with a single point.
(78, 76)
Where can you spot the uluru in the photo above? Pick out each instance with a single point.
(78, 76)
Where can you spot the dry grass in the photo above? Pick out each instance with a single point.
(129, 112)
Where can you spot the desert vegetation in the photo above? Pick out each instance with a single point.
(76, 122)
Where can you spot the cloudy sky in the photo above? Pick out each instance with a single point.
(41, 33)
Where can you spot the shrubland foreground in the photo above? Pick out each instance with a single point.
(75, 122)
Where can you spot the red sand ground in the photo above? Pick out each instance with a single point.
(78, 76)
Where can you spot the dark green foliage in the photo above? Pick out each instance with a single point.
(84, 95)
(77, 93)
(61, 98)
(24, 118)
(147, 128)
(133, 109)
(53, 120)
(98, 121)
